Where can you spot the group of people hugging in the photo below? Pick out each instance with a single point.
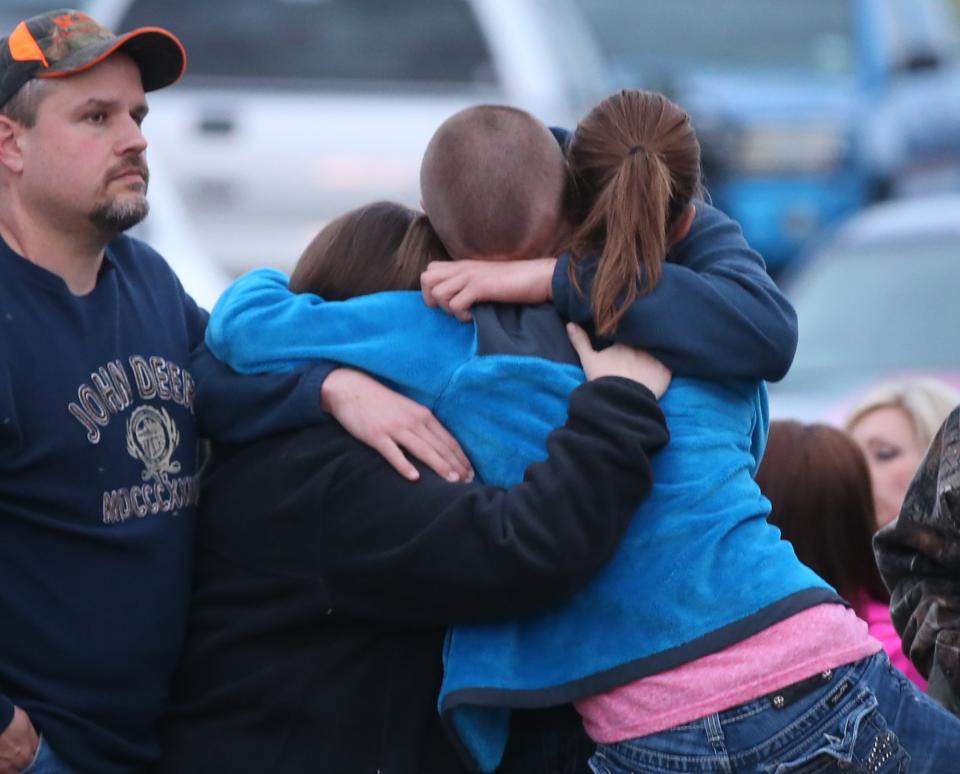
(488, 486)
(611, 592)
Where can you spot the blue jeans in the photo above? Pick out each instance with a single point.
(46, 761)
(867, 717)
(547, 741)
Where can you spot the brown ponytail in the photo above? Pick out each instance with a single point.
(381, 246)
(636, 164)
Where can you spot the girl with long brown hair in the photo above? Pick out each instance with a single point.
(636, 165)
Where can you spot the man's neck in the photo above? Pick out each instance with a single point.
(74, 255)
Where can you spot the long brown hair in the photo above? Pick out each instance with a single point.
(380, 246)
(818, 483)
(636, 165)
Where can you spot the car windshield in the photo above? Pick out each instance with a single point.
(879, 308)
(354, 42)
(648, 41)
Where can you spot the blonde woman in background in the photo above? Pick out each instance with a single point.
(894, 424)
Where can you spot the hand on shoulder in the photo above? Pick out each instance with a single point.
(620, 360)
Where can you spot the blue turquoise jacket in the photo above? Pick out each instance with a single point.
(699, 569)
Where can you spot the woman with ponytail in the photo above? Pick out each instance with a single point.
(799, 684)
(636, 165)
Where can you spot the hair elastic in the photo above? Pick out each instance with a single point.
(636, 149)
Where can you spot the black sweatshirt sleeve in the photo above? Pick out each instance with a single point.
(435, 552)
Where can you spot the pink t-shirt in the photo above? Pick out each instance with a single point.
(812, 641)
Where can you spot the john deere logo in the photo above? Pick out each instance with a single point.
(152, 438)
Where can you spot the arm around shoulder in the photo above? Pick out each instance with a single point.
(234, 408)
(259, 325)
(445, 553)
(715, 313)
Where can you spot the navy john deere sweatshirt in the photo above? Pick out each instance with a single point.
(99, 399)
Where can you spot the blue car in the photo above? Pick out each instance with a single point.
(807, 110)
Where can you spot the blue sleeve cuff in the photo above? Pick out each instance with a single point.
(6, 712)
(560, 286)
(571, 303)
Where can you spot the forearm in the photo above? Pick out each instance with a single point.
(715, 312)
(234, 408)
(259, 325)
(461, 553)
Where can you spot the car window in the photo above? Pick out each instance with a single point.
(359, 42)
(658, 37)
(879, 308)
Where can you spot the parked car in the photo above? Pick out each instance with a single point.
(879, 299)
(169, 230)
(293, 112)
(806, 111)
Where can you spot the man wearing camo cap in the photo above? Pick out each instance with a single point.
(104, 388)
(97, 393)
(100, 361)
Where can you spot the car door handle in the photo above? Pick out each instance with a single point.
(216, 125)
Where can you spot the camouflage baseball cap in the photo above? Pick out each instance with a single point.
(65, 42)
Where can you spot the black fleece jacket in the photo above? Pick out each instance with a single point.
(324, 583)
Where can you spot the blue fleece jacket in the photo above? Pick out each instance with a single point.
(715, 313)
(700, 567)
(102, 398)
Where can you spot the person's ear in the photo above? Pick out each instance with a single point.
(683, 224)
(11, 155)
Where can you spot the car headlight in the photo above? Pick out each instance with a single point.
(803, 148)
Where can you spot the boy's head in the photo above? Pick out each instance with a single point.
(493, 181)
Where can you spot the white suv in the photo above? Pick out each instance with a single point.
(293, 111)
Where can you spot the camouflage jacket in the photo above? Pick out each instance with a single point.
(919, 559)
